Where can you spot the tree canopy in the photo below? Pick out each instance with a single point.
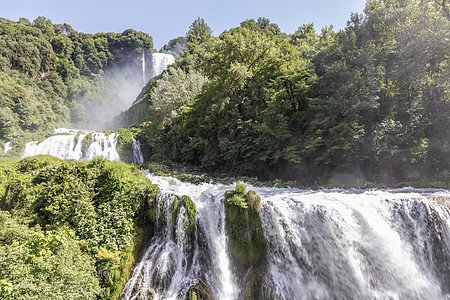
(52, 75)
(370, 100)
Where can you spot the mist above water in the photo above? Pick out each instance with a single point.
(118, 88)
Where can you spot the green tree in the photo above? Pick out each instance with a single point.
(199, 32)
(174, 92)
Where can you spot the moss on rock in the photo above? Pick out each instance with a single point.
(246, 238)
(125, 143)
(198, 292)
(87, 140)
(175, 210)
(191, 210)
(178, 202)
(151, 211)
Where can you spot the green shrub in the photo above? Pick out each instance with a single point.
(167, 162)
(237, 197)
(43, 265)
(35, 163)
(237, 200)
(240, 189)
(157, 157)
(445, 176)
(99, 202)
(192, 296)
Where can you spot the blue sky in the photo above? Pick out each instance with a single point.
(165, 20)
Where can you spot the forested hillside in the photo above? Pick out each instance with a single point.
(52, 75)
(69, 230)
(368, 102)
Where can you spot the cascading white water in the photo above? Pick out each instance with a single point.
(144, 81)
(102, 145)
(8, 146)
(356, 244)
(349, 244)
(160, 62)
(80, 145)
(167, 268)
(68, 144)
(138, 157)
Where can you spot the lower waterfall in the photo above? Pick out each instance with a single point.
(174, 262)
(327, 244)
(357, 245)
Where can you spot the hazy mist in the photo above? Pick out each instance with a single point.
(118, 87)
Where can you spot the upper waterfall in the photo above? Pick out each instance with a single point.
(144, 81)
(160, 62)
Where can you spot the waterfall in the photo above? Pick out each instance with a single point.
(138, 157)
(64, 145)
(144, 81)
(8, 146)
(166, 265)
(80, 145)
(328, 244)
(170, 267)
(160, 62)
(357, 245)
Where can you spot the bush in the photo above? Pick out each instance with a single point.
(43, 265)
(99, 202)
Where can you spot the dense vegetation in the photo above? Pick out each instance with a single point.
(51, 75)
(69, 230)
(370, 102)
